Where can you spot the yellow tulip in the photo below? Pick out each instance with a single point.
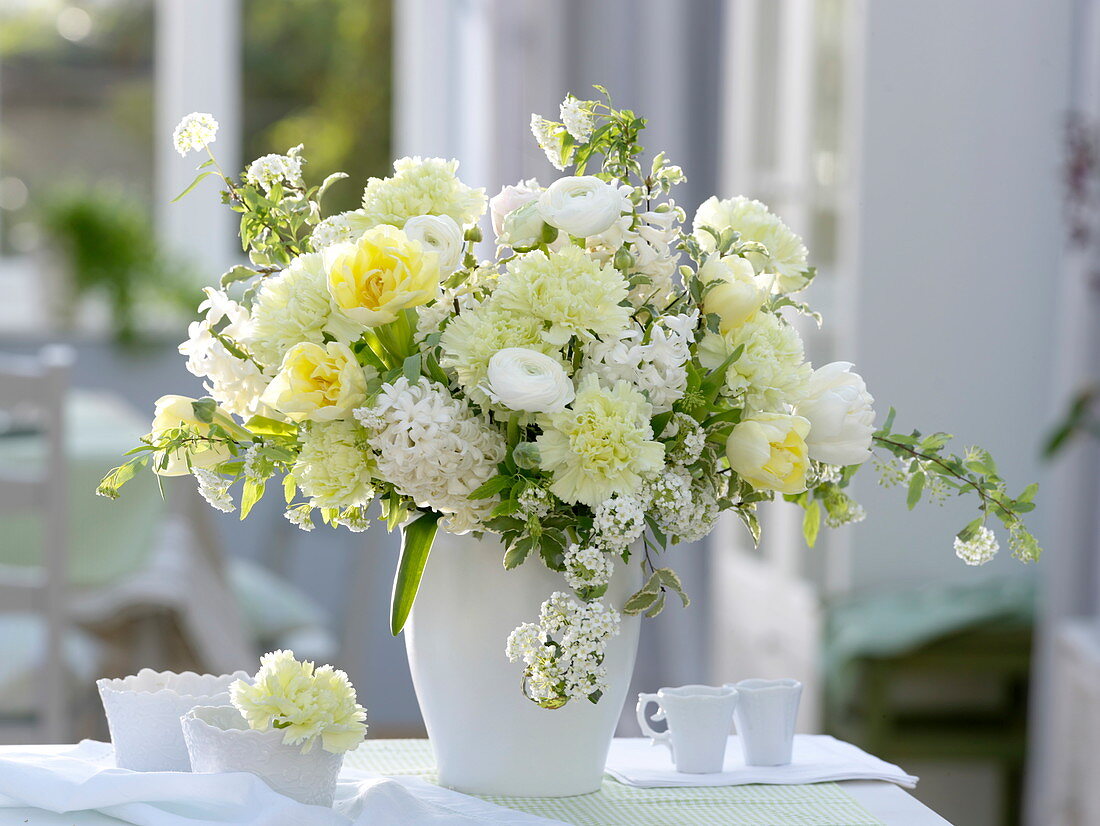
(317, 383)
(373, 279)
(768, 450)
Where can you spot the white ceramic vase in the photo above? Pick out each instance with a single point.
(488, 738)
(144, 710)
(219, 740)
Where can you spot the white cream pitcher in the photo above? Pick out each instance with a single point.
(698, 717)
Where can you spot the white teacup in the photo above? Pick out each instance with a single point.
(698, 718)
(765, 716)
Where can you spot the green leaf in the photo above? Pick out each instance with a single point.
(640, 602)
(263, 426)
(194, 183)
(329, 181)
(491, 488)
(253, 493)
(416, 544)
(811, 522)
(916, 489)
(237, 273)
(119, 476)
(290, 487)
(519, 551)
(751, 522)
(657, 606)
(411, 368)
(204, 409)
(1029, 493)
(671, 581)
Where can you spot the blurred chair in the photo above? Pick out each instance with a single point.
(32, 399)
(936, 673)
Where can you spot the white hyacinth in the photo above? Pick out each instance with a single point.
(236, 383)
(214, 489)
(269, 170)
(194, 132)
(433, 448)
(587, 567)
(657, 368)
(572, 668)
(979, 549)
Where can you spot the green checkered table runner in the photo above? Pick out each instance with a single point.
(616, 804)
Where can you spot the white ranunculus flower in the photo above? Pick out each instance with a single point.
(581, 205)
(528, 380)
(842, 420)
(439, 233)
(511, 198)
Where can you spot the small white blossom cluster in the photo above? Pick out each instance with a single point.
(685, 509)
(214, 489)
(684, 439)
(339, 228)
(577, 118)
(852, 515)
(269, 170)
(563, 652)
(618, 522)
(979, 549)
(534, 502)
(300, 517)
(657, 368)
(194, 132)
(587, 567)
(433, 448)
(652, 242)
(235, 383)
(547, 137)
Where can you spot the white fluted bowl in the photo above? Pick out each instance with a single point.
(144, 710)
(219, 740)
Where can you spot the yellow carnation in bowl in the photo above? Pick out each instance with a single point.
(373, 279)
(307, 704)
(317, 383)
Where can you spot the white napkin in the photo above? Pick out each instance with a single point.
(816, 758)
(84, 778)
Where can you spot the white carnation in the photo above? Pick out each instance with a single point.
(334, 467)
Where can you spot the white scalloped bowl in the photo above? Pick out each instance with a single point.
(144, 711)
(219, 740)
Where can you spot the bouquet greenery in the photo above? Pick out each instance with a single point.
(609, 383)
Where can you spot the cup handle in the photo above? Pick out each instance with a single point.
(657, 737)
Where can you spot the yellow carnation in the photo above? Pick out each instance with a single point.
(421, 186)
(574, 294)
(317, 383)
(378, 276)
(768, 450)
(305, 703)
(602, 445)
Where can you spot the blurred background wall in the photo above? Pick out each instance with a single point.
(919, 149)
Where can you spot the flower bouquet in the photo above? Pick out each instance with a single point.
(608, 382)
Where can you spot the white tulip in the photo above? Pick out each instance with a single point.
(442, 234)
(841, 415)
(528, 380)
(738, 293)
(582, 205)
(522, 227)
(511, 198)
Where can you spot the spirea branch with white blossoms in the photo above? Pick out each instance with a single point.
(605, 385)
